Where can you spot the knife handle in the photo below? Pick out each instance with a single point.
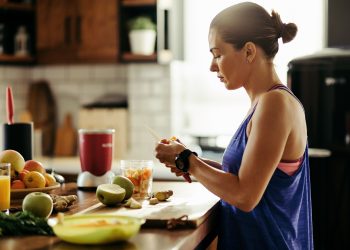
(9, 105)
(187, 177)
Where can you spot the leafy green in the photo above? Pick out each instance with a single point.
(141, 23)
(23, 223)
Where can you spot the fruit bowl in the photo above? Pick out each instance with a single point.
(95, 229)
(17, 194)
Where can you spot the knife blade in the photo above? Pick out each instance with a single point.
(186, 176)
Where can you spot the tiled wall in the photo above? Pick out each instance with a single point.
(146, 85)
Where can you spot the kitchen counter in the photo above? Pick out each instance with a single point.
(200, 206)
(70, 166)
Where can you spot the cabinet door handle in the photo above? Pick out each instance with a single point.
(78, 29)
(67, 30)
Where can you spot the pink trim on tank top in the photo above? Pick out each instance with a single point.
(289, 167)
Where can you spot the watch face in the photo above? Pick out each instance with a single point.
(179, 163)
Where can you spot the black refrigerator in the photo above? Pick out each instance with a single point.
(322, 83)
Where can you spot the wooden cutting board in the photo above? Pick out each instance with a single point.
(182, 209)
(66, 138)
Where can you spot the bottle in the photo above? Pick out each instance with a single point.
(21, 42)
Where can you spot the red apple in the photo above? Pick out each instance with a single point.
(22, 174)
(33, 165)
(16, 160)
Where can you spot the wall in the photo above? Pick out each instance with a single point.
(146, 85)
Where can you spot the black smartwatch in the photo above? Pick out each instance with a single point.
(181, 161)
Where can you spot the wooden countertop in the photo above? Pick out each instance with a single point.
(199, 204)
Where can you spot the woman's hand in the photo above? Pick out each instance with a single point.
(166, 151)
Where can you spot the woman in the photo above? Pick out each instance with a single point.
(263, 181)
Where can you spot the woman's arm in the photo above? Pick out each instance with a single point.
(269, 132)
(212, 163)
(268, 136)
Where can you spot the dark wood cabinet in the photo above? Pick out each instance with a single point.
(73, 31)
(77, 31)
(13, 15)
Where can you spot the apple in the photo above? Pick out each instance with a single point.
(34, 180)
(22, 174)
(16, 160)
(33, 165)
(50, 180)
(38, 203)
(125, 183)
(110, 194)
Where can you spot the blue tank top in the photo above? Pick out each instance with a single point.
(281, 220)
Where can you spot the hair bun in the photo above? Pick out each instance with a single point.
(286, 31)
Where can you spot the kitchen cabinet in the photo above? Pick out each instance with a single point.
(13, 15)
(75, 31)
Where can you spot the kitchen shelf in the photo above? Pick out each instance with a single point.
(4, 58)
(131, 3)
(130, 9)
(17, 6)
(129, 57)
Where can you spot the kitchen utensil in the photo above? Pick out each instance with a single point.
(96, 155)
(66, 137)
(9, 105)
(186, 176)
(42, 106)
(19, 136)
(95, 229)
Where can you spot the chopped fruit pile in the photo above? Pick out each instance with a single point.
(142, 180)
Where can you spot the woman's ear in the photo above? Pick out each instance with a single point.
(250, 51)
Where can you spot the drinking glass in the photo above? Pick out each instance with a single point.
(5, 186)
(140, 172)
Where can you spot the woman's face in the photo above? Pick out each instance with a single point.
(230, 64)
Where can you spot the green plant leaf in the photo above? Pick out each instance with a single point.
(141, 23)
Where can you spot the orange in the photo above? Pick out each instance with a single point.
(17, 184)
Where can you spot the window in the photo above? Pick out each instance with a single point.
(207, 107)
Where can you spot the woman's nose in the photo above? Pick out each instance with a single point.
(213, 66)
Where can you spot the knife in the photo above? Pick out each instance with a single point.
(9, 105)
(186, 176)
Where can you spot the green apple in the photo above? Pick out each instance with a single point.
(125, 183)
(16, 160)
(38, 203)
(110, 194)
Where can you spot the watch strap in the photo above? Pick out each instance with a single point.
(184, 155)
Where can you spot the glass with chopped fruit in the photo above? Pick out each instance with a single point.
(140, 172)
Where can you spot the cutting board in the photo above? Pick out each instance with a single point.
(66, 138)
(188, 207)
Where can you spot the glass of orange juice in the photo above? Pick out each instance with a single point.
(140, 172)
(5, 186)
